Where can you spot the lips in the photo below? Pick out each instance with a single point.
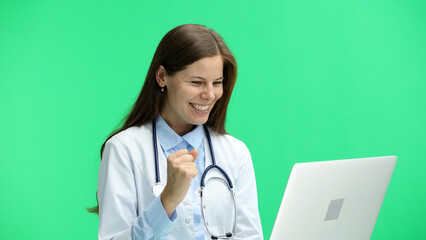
(200, 107)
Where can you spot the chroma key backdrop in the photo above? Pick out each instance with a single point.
(317, 80)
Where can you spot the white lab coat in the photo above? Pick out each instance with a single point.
(127, 175)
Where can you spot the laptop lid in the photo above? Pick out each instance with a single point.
(329, 200)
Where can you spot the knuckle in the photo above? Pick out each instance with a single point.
(171, 158)
(182, 151)
(172, 162)
(188, 172)
(180, 168)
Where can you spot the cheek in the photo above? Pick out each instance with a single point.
(219, 93)
(178, 95)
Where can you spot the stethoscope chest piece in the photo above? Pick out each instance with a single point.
(157, 189)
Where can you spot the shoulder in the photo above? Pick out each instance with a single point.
(132, 138)
(230, 145)
(132, 133)
(228, 139)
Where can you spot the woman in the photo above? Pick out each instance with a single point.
(188, 84)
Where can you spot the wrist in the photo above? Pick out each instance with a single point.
(169, 206)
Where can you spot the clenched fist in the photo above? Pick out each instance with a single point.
(181, 169)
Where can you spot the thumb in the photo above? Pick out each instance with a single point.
(194, 153)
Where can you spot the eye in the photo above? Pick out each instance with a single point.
(196, 82)
(217, 83)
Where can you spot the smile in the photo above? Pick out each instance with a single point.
(199, 107)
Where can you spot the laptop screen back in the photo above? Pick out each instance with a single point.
(338, 199)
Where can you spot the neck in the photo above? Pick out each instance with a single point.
(180, 129)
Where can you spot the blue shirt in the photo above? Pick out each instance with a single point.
(171, 142)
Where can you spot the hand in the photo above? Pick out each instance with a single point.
(181, 169)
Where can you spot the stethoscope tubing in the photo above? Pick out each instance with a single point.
(228, 234)
(154, 140)
(202, 184)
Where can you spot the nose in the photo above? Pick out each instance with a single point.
(208, 92)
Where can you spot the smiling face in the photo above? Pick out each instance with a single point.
(191, 93)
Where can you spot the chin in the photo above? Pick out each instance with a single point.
(199, 121)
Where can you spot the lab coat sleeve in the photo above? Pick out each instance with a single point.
(248, 219)
(118, 218)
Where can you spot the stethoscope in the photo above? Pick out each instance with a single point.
(159, 187)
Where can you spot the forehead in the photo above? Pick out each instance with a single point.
(207, 67)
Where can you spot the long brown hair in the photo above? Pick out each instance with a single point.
(179, 48)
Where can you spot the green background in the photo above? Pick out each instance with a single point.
(318, 80)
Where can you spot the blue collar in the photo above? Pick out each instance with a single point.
(170, 139)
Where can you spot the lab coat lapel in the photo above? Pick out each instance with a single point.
(162, 163)
(207, 153)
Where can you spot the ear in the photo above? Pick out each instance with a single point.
(160, 76)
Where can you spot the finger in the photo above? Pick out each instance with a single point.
(190, 164)
(187, 169)
(192, 172)
(194, 153)
(183, 159)
(178, 153)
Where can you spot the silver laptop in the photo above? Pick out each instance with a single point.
(333, 199)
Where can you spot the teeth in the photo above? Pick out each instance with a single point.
(200, 107)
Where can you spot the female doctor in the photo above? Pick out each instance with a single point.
(151, 183)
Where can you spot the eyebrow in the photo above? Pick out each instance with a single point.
(198, 77)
